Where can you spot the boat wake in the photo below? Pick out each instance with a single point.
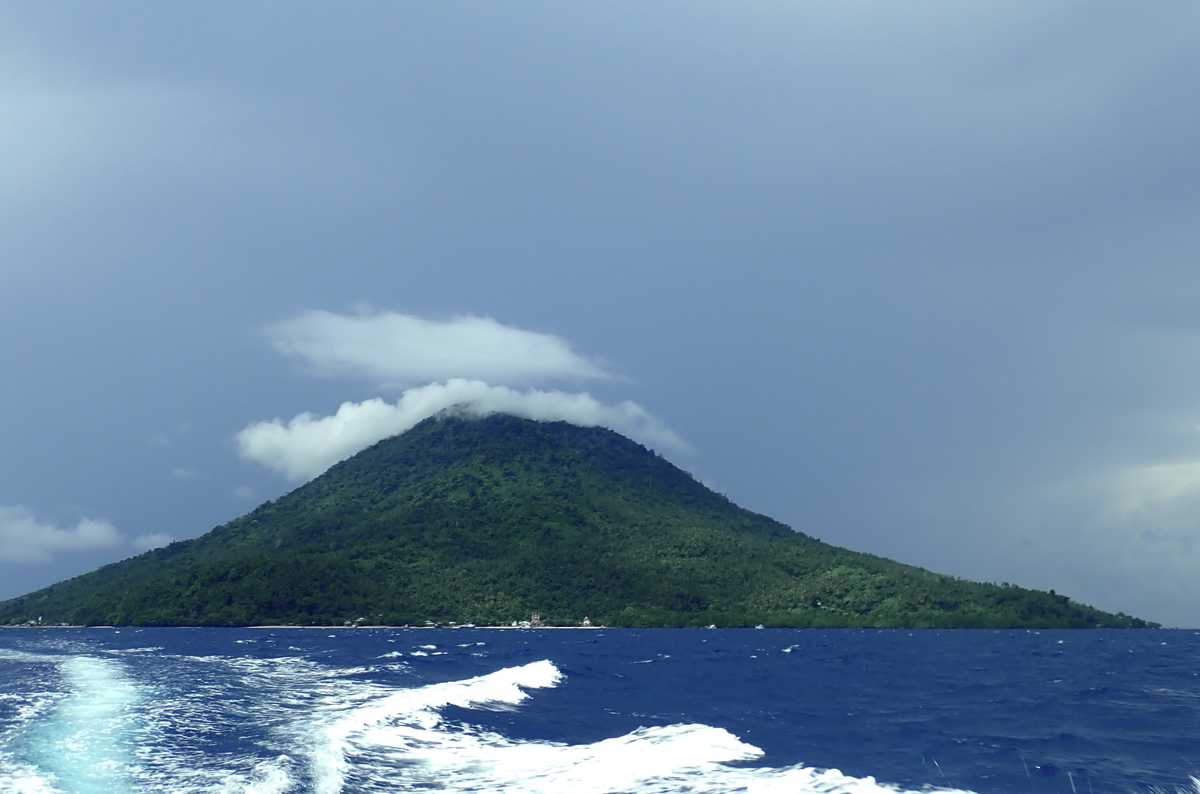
(74, 738)
(85, 724)
(401, 742)
(93, 729)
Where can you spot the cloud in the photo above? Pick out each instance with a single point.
(307, 445)
(1156, 493)
(400, 349)
(151, 540)
(184, 473)
(25, 539)
(1123, 537)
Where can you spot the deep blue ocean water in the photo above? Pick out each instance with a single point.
(379, 710)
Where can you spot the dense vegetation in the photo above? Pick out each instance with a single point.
(488, 520)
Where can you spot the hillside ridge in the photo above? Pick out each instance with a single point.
(487, 520)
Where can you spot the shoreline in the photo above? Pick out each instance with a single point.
(426, 628)
(279, 626)
(338, 628)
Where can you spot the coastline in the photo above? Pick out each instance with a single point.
(326, 628)
(467, 628)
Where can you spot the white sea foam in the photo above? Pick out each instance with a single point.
(16, 776)
(657, 760)
(99, 731)
(24, 657)
(267, 777)
(19, 778)
(417, 709)
(30, 708)
(132, 651)
(83, 744)
(400, 742)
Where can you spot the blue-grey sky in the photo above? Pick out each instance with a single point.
(918, 280)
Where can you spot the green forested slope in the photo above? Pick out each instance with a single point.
(487, 520)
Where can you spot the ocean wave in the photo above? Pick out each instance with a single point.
(401, 742)
(417, 709)
(91, 725)
(26, 657)
(131, 651)
(267, 777)
(101, 731)
(84, 743)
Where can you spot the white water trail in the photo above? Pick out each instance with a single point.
(16, 775)
(400, 742)
(418, 707)
(96, 732)
(268, 777)
(89, 735)
(83, 745)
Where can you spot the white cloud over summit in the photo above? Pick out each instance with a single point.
(474, 364)
(395, 349)
(308, 444)
(23, 538)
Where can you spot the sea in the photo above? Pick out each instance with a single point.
(275, 710)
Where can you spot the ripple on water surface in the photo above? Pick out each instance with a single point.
(278, 711)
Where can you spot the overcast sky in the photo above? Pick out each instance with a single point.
(922, 280)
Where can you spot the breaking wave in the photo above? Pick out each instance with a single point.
(401, 742)
(96, 729)
(85, 722)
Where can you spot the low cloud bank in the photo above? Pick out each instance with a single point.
(395, 349)
(23, 538)
(307, 445)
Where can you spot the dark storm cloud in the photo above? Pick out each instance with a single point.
(917, 281)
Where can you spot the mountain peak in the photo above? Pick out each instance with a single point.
(486, 519)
